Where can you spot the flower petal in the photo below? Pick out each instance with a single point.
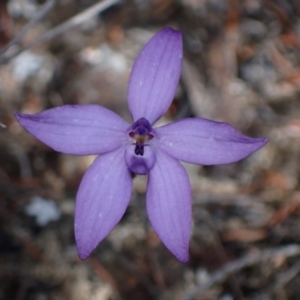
(140, 164)
(155, 75)
(206, 142)
(102, 199)
(169, 204)
(77, 129)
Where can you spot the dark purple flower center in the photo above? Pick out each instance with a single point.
(141, 131)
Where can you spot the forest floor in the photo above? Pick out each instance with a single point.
(241, 66)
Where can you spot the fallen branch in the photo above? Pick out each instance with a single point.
(39, 16)
(60, 29)
(244, 262)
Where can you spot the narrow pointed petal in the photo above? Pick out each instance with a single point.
(77, 129)
(155, 76)
(102, 199)
(206, 142)
(169, 204)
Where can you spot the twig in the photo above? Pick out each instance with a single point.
(147, 284)
(222, 255)
(43, 11)
(247, 261)
(71, 23)
(280, 281)
(289, 275)
(103, 273)
(75, 21)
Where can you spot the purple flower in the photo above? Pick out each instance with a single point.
(106, 187)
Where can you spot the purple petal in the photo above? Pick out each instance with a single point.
(206, 142)
(155, 75)
(140, 164)
(102, 199)
(169, 204)
(77, 129)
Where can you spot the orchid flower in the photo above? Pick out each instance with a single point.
(105, 190)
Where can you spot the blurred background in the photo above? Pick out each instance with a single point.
(241, 66)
